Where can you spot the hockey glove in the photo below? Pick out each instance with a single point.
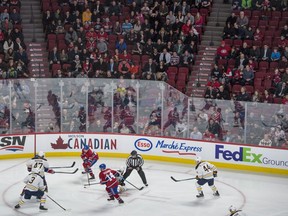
(214, 174)
(51, 171)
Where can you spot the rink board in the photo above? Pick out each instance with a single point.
(232, 156)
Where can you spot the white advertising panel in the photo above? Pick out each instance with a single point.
(16, 144)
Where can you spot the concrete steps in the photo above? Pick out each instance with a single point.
(34, 38)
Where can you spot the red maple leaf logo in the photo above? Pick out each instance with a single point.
(59, 144)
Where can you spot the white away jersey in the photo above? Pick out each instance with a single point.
(205, 170)
(38, 164)
(34, 182)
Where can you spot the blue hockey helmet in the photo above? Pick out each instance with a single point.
(102, 166)
(86, 147)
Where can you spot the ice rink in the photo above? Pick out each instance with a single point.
(257, 195)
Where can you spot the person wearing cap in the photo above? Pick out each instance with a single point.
(134, 161)
(89, 159)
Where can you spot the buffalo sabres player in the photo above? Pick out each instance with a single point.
(40, 162)
(234, 212)
(205, 173)
(35, 186)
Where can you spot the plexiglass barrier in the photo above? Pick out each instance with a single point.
(134, 106)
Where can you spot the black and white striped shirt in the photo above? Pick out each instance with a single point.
(135, 161)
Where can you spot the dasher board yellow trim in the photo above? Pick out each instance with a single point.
(241, 167)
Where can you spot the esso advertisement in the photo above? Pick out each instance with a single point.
(143, 144)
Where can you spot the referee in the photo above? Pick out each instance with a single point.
(135, 161)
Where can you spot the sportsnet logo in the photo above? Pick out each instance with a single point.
(12, 143)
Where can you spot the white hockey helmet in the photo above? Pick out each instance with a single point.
(232, 209)
(198, 159)
(41, 154)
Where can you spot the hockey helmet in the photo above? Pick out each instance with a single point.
(198, 159)
(102, 166)
(134, 153)
(86, 147)
(41, 154)
(232, 209)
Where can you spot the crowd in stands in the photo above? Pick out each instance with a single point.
(130, 39)
(13, 57)
(251, 62)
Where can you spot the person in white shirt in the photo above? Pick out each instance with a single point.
(196, 134)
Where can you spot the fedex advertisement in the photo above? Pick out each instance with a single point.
(253, 156)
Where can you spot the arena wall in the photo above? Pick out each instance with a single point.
(223, 155)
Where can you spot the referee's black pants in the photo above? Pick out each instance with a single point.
(140, 172)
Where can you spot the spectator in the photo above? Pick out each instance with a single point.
(214, 128)
(99, 8)
(216, 72)
(265, 53)
(281, 90)
(196, 134)
(149, 68)
(284, 31)
(126, 27)
(267, 97)
(248, 76)
(231, 19)
(241, 61)
(121, 45)
(275, 55)
(102, 46)
(243, 95)
(54, 57)
(227, 31)
(276, 78)
(175, 59)
(71, 36)
(246, 4)
(223, 94)
(117, 28)
(236, 4)
(165, 57)
(223, 51)
(8, 44)
(186, 60)
(15, 17)
(124, 69)
(258, 35)
(4, 15)
(242, 21)
(285, 75)
(256, 97)
(114, 9)
(254, 53)
(161, 74)
(266, 141)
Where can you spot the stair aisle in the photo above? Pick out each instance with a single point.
(210, 41)
(34, 38)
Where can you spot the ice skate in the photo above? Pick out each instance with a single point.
(92, 177)
(42, 208)
(84, 172)
(120, 201)
(200, 195)
(110, 198)
(146, 184)
(216, 193)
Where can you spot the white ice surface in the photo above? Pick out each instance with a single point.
(257, 195)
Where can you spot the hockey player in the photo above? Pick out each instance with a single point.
(135, 161)
(39, 161)
(35, 186)
(234, 212)
(89, 159)
(107, 177)
(206, 172)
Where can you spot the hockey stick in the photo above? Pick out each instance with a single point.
(94, 183)
(60, 167)
(63, 172)
(56, 203)
(141, 188)
(178, 180)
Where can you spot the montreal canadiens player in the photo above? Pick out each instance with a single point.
(205, 173)
(35, 186)
(89, 159)
(107, 177)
